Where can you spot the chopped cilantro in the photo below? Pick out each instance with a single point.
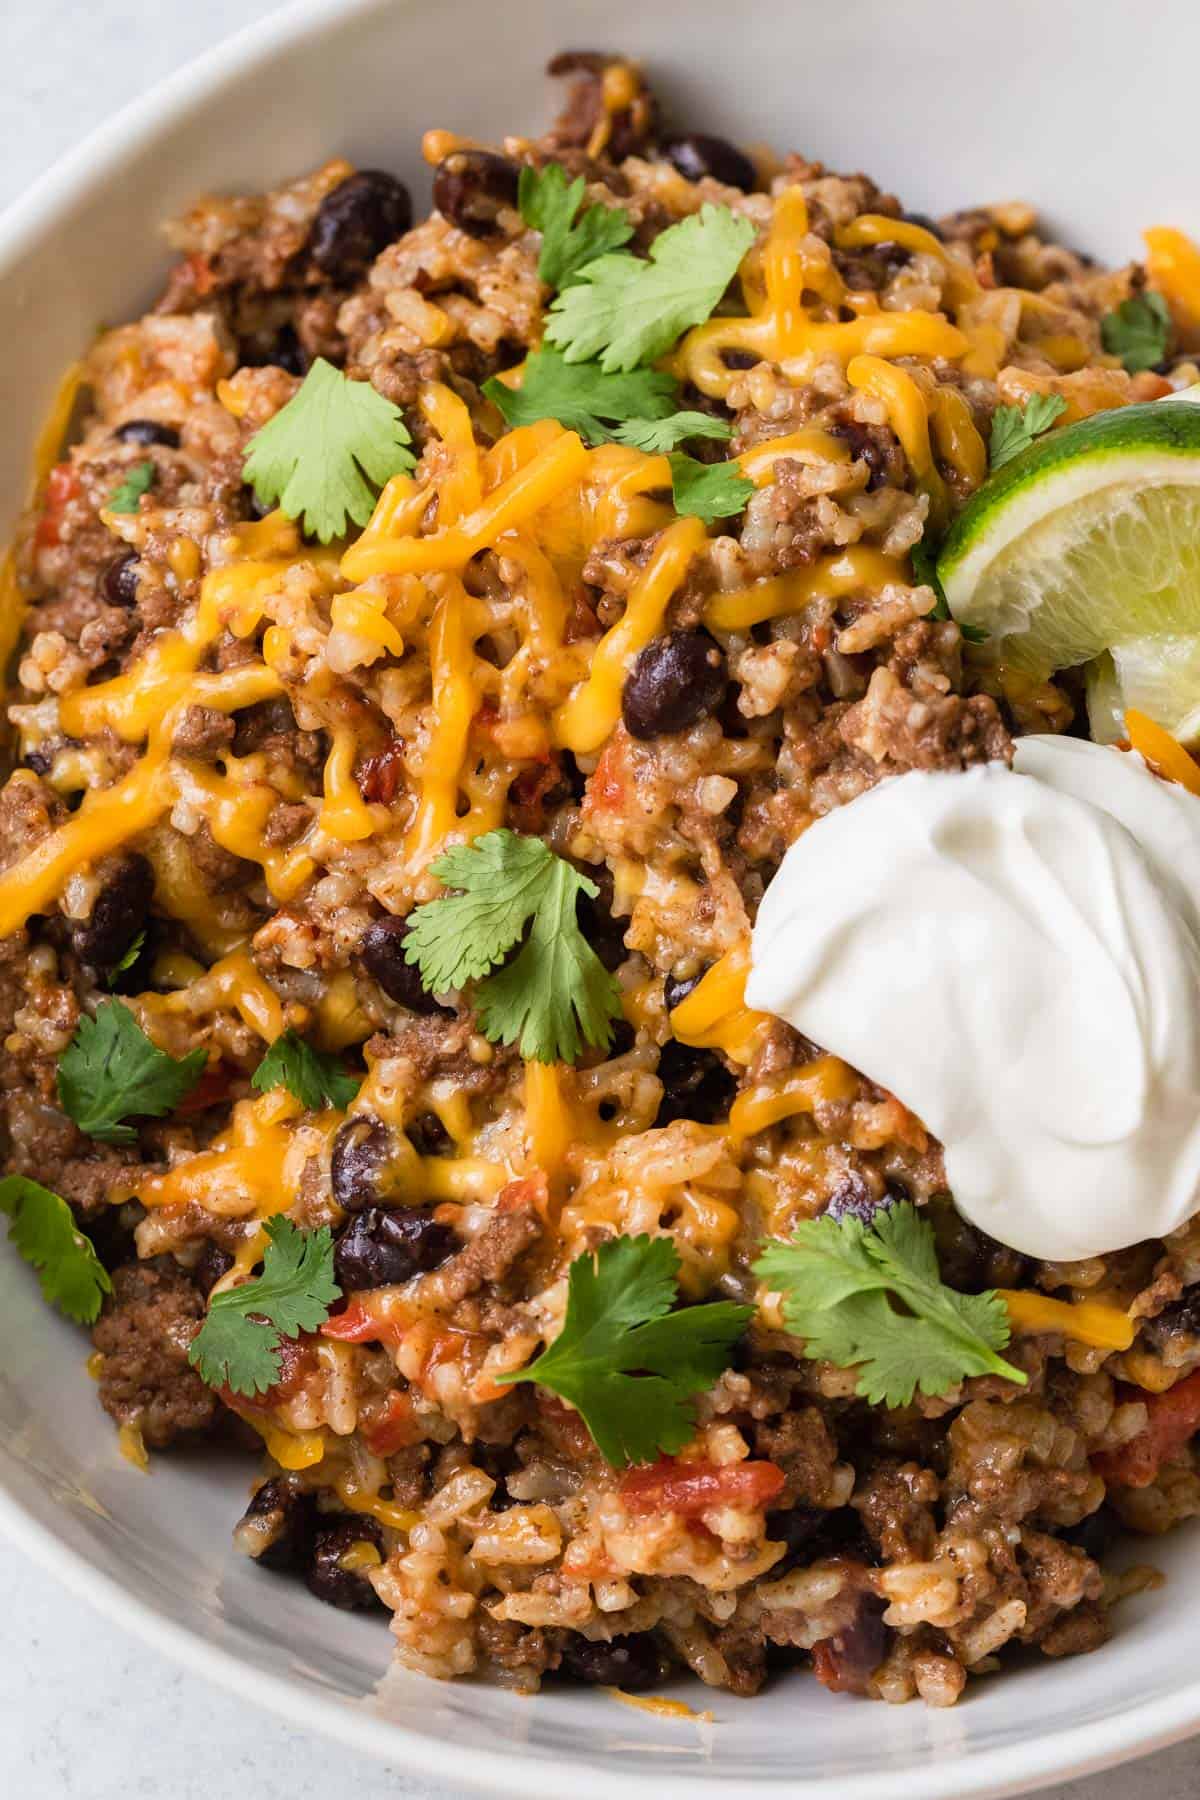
(840, 1278)
(42, 1228)
(238, 1344)
(708, 490)
(628, 1363)
(137, 481)
(1015, 427)
(313, 1077)
(130, 957)
(110, 1072)
(657, 436)
(569, 243)
(556, 993)
(581, 396)
(625, 310)
(1137, 331)
(323, 454)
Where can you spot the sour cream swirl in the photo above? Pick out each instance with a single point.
(1016, 955)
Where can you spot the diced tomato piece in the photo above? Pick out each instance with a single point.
(528, 793)
(527, 1193)
(1174, 1417)
(353, 1325)
(62, 484)
(563, 1426)
(606, 784)
(692, 1488)
(393, 1427)
(379, 777)
(296, 1362)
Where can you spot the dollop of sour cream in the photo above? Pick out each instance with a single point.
(1016, 955)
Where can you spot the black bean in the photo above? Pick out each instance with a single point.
(678, 987)
(678, 679)
(968, 1258)
(855, 1198)
(358, 1162)
(292, 1516)
(696, 1084)
(1096, 1534)
(605, 934)
(631, 1663)
(381, 947)
(867, 444)
(379, 1248)
(119, 580)
(698, 154)
(794, 1527)
(740, 359)
(147, 431)
(211, 1264)
(471, 186)
(924, 221)
(285, 351)
(347, 1589)
(428, 1136)
(118, 914)
(361, 216)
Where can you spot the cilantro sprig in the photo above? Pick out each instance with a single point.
(238, 1344)
(111, 1072)
(43, 1230)
(555, 994)
(625, 310)
(1015, 427)
(708, 491)
(1138, 331)
(570, 239)
(581, 396)
(324, 454)
(629, 1364)
(872, 1298)
(137, 481)
(656, 436)
(316, 1079)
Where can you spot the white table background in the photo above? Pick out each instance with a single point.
(85, 1710)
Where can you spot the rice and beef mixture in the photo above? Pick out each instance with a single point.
(237, 752)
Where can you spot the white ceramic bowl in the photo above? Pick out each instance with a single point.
(1086, 105)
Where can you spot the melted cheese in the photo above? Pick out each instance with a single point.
(832, 577)
(1173, 267)
(590, 715)
(1087, 1321)
(909, 419)
(799, 1091)
(249, 1172)
(714, 1016)
(235, 982)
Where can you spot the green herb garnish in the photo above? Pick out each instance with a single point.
(581, 396)
(708, 491)
(43, 1230)
(555, 994)
(624, 310)
(628, 1364)
(312, 1076)
(872, 1299)
(137, 481)
(569, 242)
(110, 1072)
(1138, 331)
(238, 1344)
(324, 454)
(657, 436)
(1015, 427)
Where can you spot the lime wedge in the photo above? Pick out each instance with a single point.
(1089, 543)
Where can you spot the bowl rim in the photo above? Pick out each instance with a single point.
(1073, 1751)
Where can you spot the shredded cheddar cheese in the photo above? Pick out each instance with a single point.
(1087, 1321)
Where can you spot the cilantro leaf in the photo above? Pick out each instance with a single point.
(1015, 427)
(924, 561)
(627, 311)
(311, 1075)
(581, 396)
(656, 436)
(556, 987)
(708, 490)
(138, 481)
(318, 457)
(44, 1232)
(1137, 331)
(841, 1280)
(624, 1360)
(568, 243)
(110, 1071)
(238, 1344)
(137, 945)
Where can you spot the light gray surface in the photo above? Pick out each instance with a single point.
(84, 1709)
